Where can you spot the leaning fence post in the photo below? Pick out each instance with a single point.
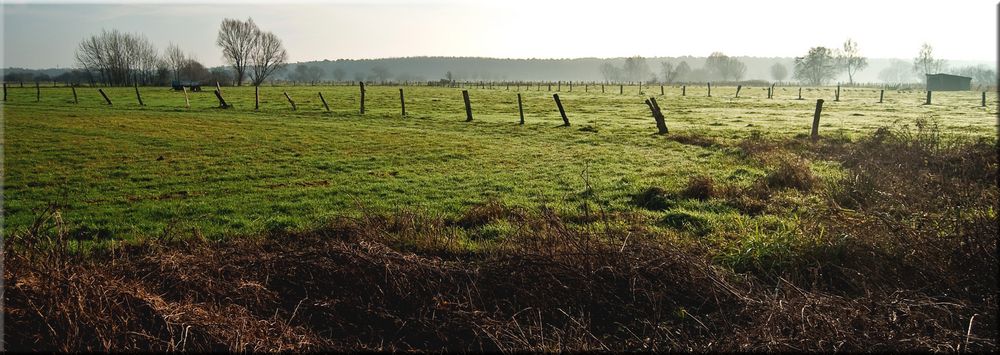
(738, 87)
(137, 95)
(362, 86)
(881, 93)
(800, 93)
(561, 111)
(290, 100)
(468, 106)
(105, 96)
(815, 128)
(520, 108)
(75, 100)
(187, 102)
(327, 107)
(654, 108)
(928, 98)
(222, 101)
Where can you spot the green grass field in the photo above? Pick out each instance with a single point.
(126, 172)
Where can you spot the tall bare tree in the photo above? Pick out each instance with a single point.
(925, 63)
(817, 67)
(779, 72)
(268, 55)
(119, 58)
(238, 41)
(175, 59)
(852, 61)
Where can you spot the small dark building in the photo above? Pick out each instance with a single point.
(948, 82)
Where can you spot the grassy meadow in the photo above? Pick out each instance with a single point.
(162, 227)
(128, 171)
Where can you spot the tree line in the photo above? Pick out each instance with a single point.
(117, 58)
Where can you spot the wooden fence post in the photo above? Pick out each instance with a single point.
(290, 101)
(362, 86)
(800, 93)
(327, 107)
(520, 108)
(561, 111)
(738, 87)
(621, 89)
(75, 99)
(684, 90)
(256, 97)
(137, 95)
(468, 106)
(881, 93)
(222, 101)
(661, 90)
(105, 96)
(640, 88)
(38, 92)
(837, 95)
(217, 87)
(928, 98)
(5, 91)
(402, 103)
(984, 98)
(815, 128)
(602, 88)
(654, 108)
(709, 89)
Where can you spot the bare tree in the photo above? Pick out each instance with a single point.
(636, 68)
(611, 73)
(925, 63)
(238, 41)
(268, 55)
(817, 67)
(380, 73)
(175, 59)
(721, 66)
(852, 61)
(779, 72)
(119, 58)
(898, 72)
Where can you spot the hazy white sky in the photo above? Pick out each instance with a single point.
(40, 35)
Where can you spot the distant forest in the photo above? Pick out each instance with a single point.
(423, 69)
